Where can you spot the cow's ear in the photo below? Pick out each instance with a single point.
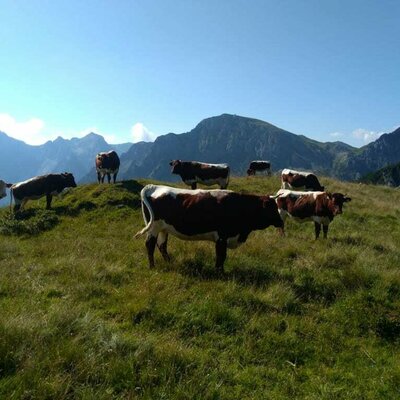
(347, 198)
(9, 185)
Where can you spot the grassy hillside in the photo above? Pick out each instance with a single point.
(82, 315)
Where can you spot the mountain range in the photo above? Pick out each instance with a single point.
(388, 176)
(226, 138)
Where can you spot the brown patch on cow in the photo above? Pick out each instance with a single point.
(310, 182)
(306, 206)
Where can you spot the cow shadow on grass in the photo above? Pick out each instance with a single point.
(244, 275)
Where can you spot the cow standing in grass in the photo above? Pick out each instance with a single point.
(221, 216)
(193, 172)
(319, 207)
(3, 186)
(299, 180)
(107, 164)
(45, 185)
(259, 166)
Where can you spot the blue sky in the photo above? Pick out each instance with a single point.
(135, 69)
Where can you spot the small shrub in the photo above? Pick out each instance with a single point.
(28, 223)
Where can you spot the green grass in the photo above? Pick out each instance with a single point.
(82, 315)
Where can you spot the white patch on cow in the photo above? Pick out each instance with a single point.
(156, 191)
(16, 185)
(160, 227)
(222, 166)
(288, 171)
(208, 182)
(105, 171)
(296, 193)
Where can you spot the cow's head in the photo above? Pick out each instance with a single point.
(176, 166)
(271, 211)
(336, 201)
(69, 179)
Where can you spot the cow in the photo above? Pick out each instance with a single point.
(45, 185)
(107, 164)
(260, 166)
(299, 180)
(220, 216)
(320, 207)
(3, 186)
(193, 172)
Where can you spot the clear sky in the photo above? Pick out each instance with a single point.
(133, 69)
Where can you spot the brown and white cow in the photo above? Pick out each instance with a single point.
(299, 180)
(319, 207)
(221, 216)
(107, 164)
(259, 166)
(193, 172)
(3, 186)
(45, 185)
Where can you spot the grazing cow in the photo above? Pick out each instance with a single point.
(320, 207)
(260, 166)
(106, 164)
(220, 216)
(46, 185)
(3, 186)
(298, 180)
(193, 172)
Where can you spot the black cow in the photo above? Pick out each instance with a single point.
(259, 166)
(3, 186)
(39, 186)
(193, 172)
(106, 164)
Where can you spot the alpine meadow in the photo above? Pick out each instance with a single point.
(83, 316)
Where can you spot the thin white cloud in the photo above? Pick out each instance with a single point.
(30, 131)
(140, 133)
(365, 135)
(336, 134)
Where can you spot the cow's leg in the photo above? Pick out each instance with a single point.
(49, 197)
(220, 249)
(317, 226)
(115, 177)
(283, 215)
(20, 205)
(194, 185)
(102, 178)
(325, 228)
(150, 246)
(108, 177)
(162, 242)
(98, 177)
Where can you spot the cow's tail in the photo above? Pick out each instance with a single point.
(145, 203)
